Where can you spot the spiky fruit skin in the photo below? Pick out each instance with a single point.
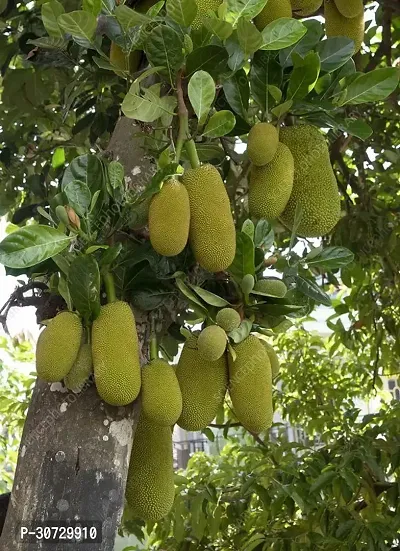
(150, 488)
(262, 143)
(212, 343)
(275, 9)
(350, 8)
(115, 351)
(161, 395)
(273, 358)
(338, 25)
(273, 287)
(81, 370)
(203, 7)
(228, 318)
(305, 7)
(270, 186)
(58, 346)
(124, 62)
(203, 385)
(212, 230)
(169, 219)
(250, 385)
(315, 188)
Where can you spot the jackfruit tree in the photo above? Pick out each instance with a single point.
(186, 176)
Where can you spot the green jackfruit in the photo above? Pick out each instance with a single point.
(305, 7)
(271, 286)
(350, 8)
(273, 358)
(247, 284)
(169, 219)
(203, 386)
(150, 488)
(212, 230)
(58, 346)
(128, 62)
(203, 7)
(315, 189)
(250, 385)
(81, 370)
(115, 352)
(262, 143)
(338, 25)
(270, 186)
(161, 395)
(212, 343)
(274, 9)
(229, 319)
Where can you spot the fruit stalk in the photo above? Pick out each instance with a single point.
(183, 133)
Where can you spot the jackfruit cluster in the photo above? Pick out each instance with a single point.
(262, 143)
(272, 286)
(115, 351)
(228, 318)
(161, 394)
(203, 7)
(274, 9)
(305, 7)
(81, 370)
(203, 384)
(212, 343)
(315, 196)
(58, 347)
(212, 230)
(337, 24)
(169, 219)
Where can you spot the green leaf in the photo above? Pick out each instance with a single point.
(212, 59)
(358, 128)
(264, 235)
(242, 332)
(248, 227)
(148, 108)
(281, 109)
(220, 124)
(189, 294)
(237, 92)
(164, 47)
(237, 57)
(110, 255)
(243, 262)
(334, 52)
(92, 6)
(31, 245)
(182, 12)
(311, 289)
(50, 43)
(373, 86)
(128, 18)
(282, 33)
(79, 23)
(330, 258)
(304, 75)
(314, 34)
(79, 196)
(208, 433)
(210, 298)
(323, 480)
(116, 174)
(207, 152)
(247, 9)
(84, 286)
(265, 71)
(85, 168)
(222, 29)
(50, 13)
(58, 157)
(249, 36)
(201, 91)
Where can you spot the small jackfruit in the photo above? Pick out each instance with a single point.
(247, 284)
(81, 370)
(228, 318)
(274, 9)
(203, 385)
(150, 487)
(350, 8)
(273, 358)
(128, 62)
(305, 7)
(338, 25)
(315, 192)
(271, 286)
(262, 143)
(212, 343)
(203, 7)
(250, 385)
(58, 346)
(212, 230)
(270, 186)
(169, 219)
(115, 351)
(161, 395)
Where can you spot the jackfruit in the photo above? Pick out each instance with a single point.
(273, 358)
(305, 7)
(274, 9)
(338, 25)
(271, 286)
(81, 370)
(115, 351)
(58, 346)
(229, 319)
(150, 488)
(161, 395)
(212, 343)
(247, 284)
(212, 230)
(270, 186)
(203, 7)
(203, 385)
(315, 189)
(169, 219)
(250, 385)
(350, 8)
(262, 143)
(128, 62)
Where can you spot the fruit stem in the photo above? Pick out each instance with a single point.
(110, 286)
(153, 341)
(192, 154)
(183, 134)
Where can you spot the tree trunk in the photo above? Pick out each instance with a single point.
(74, 454)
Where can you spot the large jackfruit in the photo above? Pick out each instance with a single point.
(305, 7)
(212, 343)
(315, 188)
(161, 395)
(270, 186)
(262, 143)
(273, 358)
(229, 319)
(81, 370)
(115, 351)
(58, 346)
(250, 385)
(169, 219)
(150, 488)
(338, 25)
(271, 286)
(274, 9)
(203, 386)
(203, 7)
(212, 230)
(350, 8)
